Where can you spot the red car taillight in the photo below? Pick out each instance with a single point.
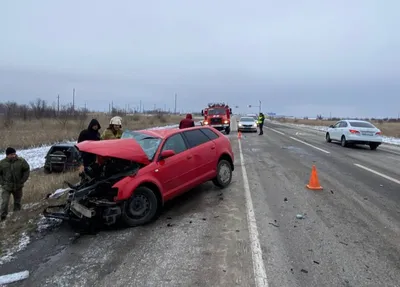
(378, 133)
(354, 132)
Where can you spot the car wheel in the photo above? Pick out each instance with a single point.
(373, 146)
(224, 174)
(227, 130)
(343, 141)
(140, 208)
(328, 138)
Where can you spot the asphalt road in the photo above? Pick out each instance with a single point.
(248, 234)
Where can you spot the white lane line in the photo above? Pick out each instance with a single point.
(378, 173)
(274, 130)
(260, 275)
(313, 146)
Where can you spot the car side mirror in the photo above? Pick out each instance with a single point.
(332, 126)
(166, 154)
(202, 113)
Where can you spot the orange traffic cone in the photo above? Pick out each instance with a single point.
(239, 134)
(314, 182)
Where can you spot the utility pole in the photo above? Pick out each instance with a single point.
(58, 104)
(140, 106)
(73, 100)
(259, 106)
(176, 97)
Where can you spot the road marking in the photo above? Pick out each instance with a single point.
(313, 146)
(260, 275)
(274, 130)
(378, 173)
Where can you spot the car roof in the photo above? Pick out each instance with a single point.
(64, 145)
(358, 121)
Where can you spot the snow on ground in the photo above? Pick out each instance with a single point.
(36, 156)
(388, 140)
(8, 256)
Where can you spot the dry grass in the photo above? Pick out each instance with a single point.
(35, 190)
(388, 129)
(25, 134)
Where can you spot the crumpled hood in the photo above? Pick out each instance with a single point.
(127, 149)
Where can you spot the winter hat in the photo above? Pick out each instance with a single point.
(10, 150)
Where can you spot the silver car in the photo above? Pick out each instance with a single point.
(247, 124)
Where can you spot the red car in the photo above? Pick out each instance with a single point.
(136, 174)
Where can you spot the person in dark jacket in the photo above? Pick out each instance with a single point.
(186, 122)
(14, 172)
(90, 134)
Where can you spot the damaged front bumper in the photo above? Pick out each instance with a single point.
(90, 201)
(108, 212)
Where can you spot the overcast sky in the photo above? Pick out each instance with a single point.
(298, 57)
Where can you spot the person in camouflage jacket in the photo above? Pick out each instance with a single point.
(114, 129)
(14, 172)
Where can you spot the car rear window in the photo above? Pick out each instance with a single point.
(195, 138)
(361, 125)
(210, 134)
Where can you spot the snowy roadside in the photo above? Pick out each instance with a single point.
(386, 140)
(36, 156)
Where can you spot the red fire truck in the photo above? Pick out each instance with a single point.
(218, 116)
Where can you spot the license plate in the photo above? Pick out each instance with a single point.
(367, 133)
(80, 209)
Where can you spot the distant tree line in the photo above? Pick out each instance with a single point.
(39, 110)
(380, 120)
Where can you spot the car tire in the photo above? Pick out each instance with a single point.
(224, 174)
(373, 146)
(227, 130)
(142, 198)
(343, 141)
(328, 138)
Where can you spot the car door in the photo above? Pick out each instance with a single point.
(204, 153)
(334, 133)
(343, 129)
(174, 172)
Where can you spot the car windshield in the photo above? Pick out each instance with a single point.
(247, 119)
(361, 125)
(148, 143)
(217, 111)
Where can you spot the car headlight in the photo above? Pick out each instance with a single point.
(240, 125)
(205, 123)
(254, 125)
(226, 122)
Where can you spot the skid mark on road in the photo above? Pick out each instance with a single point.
(378, 173)
(260, 275)
(310, 145)
(274, 130)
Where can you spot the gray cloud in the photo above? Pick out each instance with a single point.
(300, 58)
